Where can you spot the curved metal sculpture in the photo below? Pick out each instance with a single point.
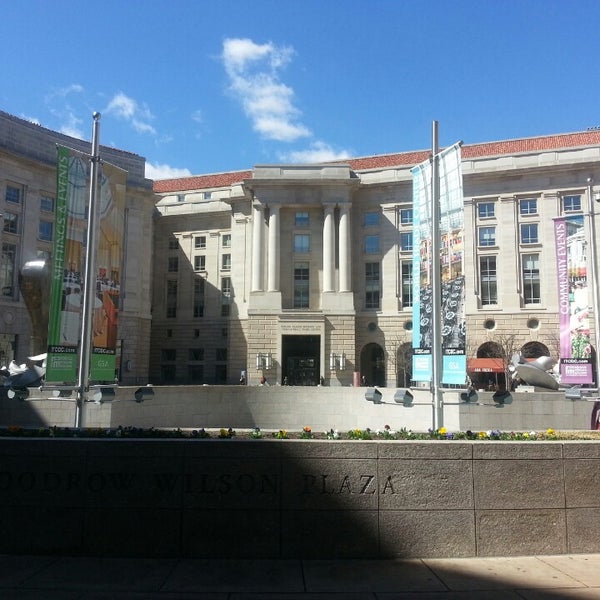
(535, 372)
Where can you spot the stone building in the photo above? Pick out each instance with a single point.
(303, 273)
(27, 201)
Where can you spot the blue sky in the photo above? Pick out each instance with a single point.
(207, 86)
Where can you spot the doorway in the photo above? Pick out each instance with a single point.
(372, 365)
(301, 359)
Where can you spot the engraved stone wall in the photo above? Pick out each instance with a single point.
(298, 498)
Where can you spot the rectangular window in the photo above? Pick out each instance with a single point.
(528, 206)
(207, 195)
(406, 216)
(200, 242)
(406, 270)
(226, 240)
(196, 373)
(225, 296)
(226, 262)
(198, 300)
(46, 231)
(301, 219)
(195, 354)
(47, 204)
(488, 280)
(171, 299)
(173, 264)
(372, 285)
(529, 233)
(371, 219)
(301, 243)
(487, 236)
(168, 373)
(531, 279)
(200, 263)
(301, 285)
(371, 244)
(571, 203)
(173, 244)
(406, 241)
(168, 354)
(486, 210)
(13, 194)
(7, 269)
(220, 374)
(11, 223)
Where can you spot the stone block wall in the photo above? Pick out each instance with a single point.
(298, 498)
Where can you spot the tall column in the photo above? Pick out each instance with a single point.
(344, 248)
(258, 227)
(328, 249)
(273, 258)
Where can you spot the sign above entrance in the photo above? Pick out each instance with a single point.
(301, 328)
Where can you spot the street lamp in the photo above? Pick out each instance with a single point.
(594, 265)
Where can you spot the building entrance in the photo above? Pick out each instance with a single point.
(301, 356)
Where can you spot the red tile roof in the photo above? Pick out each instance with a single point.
(382, 161)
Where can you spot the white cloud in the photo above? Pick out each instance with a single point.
(253, 70)
(319, 152)
(157, 171)
(130, 110)
(71, 124)
(197, 116)
(58, 105)
(72, 88)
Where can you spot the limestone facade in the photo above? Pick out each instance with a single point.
(27, 194)
(320, 257)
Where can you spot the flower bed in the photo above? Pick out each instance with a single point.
(386, 433)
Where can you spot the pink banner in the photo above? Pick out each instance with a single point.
(573, 300)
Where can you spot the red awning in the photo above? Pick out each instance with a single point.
(486, 365)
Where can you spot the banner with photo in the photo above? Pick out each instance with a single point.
(68, 277)
(451, 232)
(109, 272)
(573, 300)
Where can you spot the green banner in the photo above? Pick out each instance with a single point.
(64, 328)
(68, 278)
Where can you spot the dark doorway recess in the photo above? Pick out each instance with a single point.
(301, 359)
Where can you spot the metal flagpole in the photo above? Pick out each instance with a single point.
(89, 289)
(436, 284)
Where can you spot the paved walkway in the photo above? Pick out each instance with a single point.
(76, 578)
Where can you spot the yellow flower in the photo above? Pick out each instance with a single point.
(482, 435)
(442, 431)
(550, 431)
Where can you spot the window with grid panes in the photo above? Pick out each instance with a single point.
(372, 285)
(529, 233)
(488, 280)
(486, 210)
(301, 285)
(531, 279)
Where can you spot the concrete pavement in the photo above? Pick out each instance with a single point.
(86, 578)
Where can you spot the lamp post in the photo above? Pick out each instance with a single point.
(436, 285)
(89, 290)
(594, 265)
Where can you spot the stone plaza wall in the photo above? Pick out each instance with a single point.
(292, 408)
(298, 498)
